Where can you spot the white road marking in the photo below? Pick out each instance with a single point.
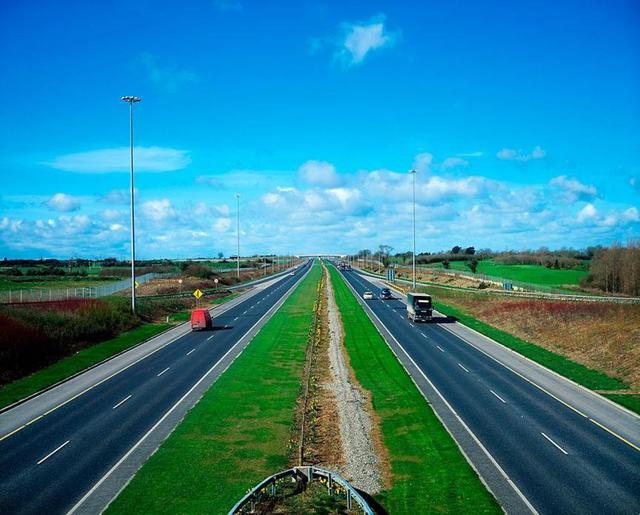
(555, 444)
(236, 318)
(244, 312)
(209, 337)
(424, 336)
(190, 351)
(123, 401)
(462, 367)
(501, 399)
(53, 452)
(163, 371)
(440, 348)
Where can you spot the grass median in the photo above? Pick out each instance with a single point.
(428, 472)
(239, 432)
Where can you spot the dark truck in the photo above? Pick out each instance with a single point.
(419, 308)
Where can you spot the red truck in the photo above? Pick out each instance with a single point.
(201, 320)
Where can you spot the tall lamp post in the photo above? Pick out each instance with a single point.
(413, 175)
(238, 223)
(132, 100)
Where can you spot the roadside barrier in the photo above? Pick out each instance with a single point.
(296, 480)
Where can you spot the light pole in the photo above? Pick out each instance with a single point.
(238, 221)
(132, 100)
(413, 174)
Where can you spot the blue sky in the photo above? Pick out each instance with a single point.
(522, 118)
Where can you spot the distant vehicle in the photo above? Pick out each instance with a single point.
(385, 293)
(367, 295)
(419, 307)
(201, 320)
(292, 273)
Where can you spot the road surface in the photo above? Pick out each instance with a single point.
(558, 458)
(50, 464)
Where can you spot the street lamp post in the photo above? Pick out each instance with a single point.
(238, 222)
(132, 100)
(413, 175)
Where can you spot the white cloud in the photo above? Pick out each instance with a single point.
(361, 38)
(63, 202)
(117, 227)
(158, 210)
(588, 212)
(631, 215)
(471, 154)
(222, 209)
(222, 224)
(422, 162)
(510, 154)
(118, 196)
(110, 214)
(320, 173)
(573, 190)
(635, 183)
(454, 162)
(167, 77)
(107, 160)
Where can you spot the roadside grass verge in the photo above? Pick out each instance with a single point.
(239, 432)
(575, 371)
(70, 365)
(428, 472)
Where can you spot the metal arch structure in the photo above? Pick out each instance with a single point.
(302, 475)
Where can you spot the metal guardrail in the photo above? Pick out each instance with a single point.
(520, 294)
(80, 292)
(268, 488)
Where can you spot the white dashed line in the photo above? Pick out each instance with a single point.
(209, 337)
(123, 401)
(501, 399)
(53, 452)
(163, 371)
(190, 351)
(462, 367)
(555, 444)
(424, 336)
(440, 348)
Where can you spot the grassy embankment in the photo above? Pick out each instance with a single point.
(429, 474)
(591, 344)
(240, 430)
(533, 274)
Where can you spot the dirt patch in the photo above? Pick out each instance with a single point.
(363, 453)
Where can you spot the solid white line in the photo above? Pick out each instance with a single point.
(190, 351)
(462, 367)
(123, 401)
(209, 337)
(494, 393)
(163, 371)
(139, 442)
(53, 452)
(440, 348)
(554, 443)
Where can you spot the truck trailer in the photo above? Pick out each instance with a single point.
(419, 307)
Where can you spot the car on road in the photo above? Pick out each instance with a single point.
(385, 293)
(367, 295)
(292, 273)
(201, 320)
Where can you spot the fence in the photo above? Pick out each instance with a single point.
(80, 292)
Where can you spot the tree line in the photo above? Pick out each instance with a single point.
(616, 269)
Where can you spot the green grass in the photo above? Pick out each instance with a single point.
(575, 371)
(25, 283)
(534, 274)
(66, 367)
(429, 472)
(239, 432)
(630, 401)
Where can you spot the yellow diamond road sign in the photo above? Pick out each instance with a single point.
(197, 294)
(137, 283)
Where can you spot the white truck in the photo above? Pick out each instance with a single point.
(419, 307)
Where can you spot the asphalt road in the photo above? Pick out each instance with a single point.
(47, 466)
(561, 461)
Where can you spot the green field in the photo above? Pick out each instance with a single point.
(430, 475)
(534, 274)
(66, 367)
(239, 432)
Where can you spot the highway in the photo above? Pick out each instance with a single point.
(559, 460)
(48, 465)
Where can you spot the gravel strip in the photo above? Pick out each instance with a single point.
(362, 463)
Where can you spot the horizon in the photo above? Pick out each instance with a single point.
(523, 122)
